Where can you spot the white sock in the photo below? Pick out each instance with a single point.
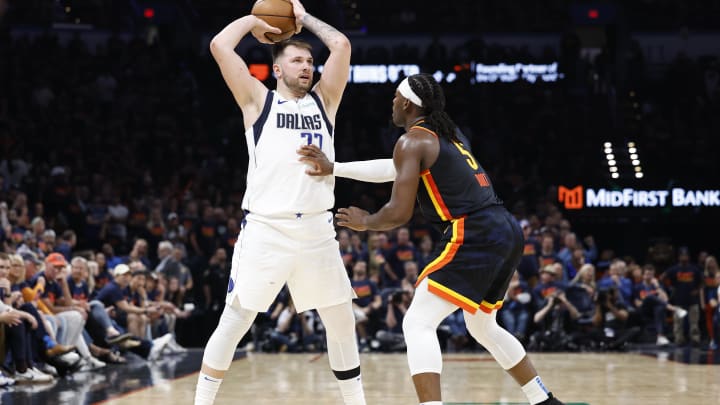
(535, 391)
(432, 403)
(207, 388)
(352, 391)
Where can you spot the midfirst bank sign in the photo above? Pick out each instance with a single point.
(579, 197)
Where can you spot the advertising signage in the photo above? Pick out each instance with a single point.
(582, 198)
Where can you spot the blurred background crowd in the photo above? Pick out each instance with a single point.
(120, 145)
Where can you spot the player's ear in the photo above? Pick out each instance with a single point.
(276, 69)
(406, 104)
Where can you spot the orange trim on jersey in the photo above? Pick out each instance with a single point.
(435, 197)
(448, 253)
(482, 179)
(425, 129)
(449, 295)
(488, 307)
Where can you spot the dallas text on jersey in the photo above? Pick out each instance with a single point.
(297, 121)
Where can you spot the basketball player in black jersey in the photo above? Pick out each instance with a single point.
(480, 248)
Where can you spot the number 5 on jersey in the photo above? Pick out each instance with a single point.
(312, 136)
(481, 177)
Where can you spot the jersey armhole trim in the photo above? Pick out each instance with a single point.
(260, 123)
(322, 111)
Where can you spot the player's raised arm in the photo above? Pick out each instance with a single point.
(337, 67)
(249, 92)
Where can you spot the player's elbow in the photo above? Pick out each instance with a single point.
(341, 43)
(217, 47)
(214, 45)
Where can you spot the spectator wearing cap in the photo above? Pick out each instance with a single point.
(549, 283)
(65, 317)
(98, 323)
(60, 356)
(685, 281)
(555, 313)
(128, 316)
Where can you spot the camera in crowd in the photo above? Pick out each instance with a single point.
(608, 293)
(397, 297)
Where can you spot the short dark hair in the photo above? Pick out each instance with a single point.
(279, 47)
(140, 273)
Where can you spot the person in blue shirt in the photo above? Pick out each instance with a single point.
(113, 295)
(615, 277)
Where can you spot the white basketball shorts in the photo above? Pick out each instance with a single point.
(300, 251)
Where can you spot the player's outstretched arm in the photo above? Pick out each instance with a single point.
(371, 171)
(337, 67)
(398, 211)
(249, 92)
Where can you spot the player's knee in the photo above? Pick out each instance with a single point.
(414, 323)
(339, 321)
(481, 326)
(234, 319)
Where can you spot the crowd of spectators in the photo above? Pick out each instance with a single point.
(377, 16)
(122, 168)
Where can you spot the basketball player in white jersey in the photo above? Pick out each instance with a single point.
(288, 233)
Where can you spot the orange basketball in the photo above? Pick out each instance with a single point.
(278, 13)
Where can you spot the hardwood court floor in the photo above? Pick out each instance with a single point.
(577, 378)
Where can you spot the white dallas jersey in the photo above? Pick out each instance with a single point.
(277, 185)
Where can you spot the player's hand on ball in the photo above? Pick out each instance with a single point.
(352, 217)
(300, 12)
(260, 28)
(316, 159)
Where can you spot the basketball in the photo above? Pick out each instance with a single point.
(278, 13)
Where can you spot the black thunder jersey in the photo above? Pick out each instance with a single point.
(455, 185)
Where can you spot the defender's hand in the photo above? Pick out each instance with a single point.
(353, 218)
(313, 156)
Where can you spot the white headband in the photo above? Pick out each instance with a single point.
(406, 91)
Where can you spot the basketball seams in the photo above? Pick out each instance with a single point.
(274, 15)
(279, 14)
